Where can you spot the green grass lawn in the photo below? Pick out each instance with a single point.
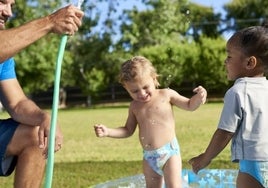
(86, 160)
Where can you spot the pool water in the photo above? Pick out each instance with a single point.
(207, 178)
(211, 178)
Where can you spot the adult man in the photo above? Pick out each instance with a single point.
(23, 137)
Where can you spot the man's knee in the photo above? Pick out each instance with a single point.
(24, 136)
(30, 135)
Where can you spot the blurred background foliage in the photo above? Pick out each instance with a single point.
(184, 40)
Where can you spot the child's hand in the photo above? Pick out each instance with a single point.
(101, 130)
(199, 163)
(201, 93)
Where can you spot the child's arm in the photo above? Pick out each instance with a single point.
(189, 104)
(103, 131)
(218, 142)
(120, 132)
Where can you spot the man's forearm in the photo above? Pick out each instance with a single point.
(27, 112)
(15, 39)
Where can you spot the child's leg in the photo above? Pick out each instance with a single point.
(152, 179)
(172, 172)
(245, 180)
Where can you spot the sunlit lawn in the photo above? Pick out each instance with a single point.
(86, 160)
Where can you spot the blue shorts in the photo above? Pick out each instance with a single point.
(7, 130)
(257, 169)
(157, 158)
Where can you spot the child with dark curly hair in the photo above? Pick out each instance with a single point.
(244, 116)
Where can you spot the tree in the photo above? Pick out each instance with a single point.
(163, 20)
(203, 21)
(156, 33)
(92, 68)
(206, 67)
(244, 13)
(160, 34)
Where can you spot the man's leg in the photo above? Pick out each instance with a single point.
(31, 162)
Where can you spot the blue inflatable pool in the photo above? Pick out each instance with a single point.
(207, 178)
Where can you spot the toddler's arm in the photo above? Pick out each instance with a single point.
(120, 132)
(186, 103)
(218, 142)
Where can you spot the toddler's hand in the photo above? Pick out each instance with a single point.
(202, 93)
(100, 130)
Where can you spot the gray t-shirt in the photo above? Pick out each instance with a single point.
(245, 113)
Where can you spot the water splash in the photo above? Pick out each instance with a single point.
(78, 3)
